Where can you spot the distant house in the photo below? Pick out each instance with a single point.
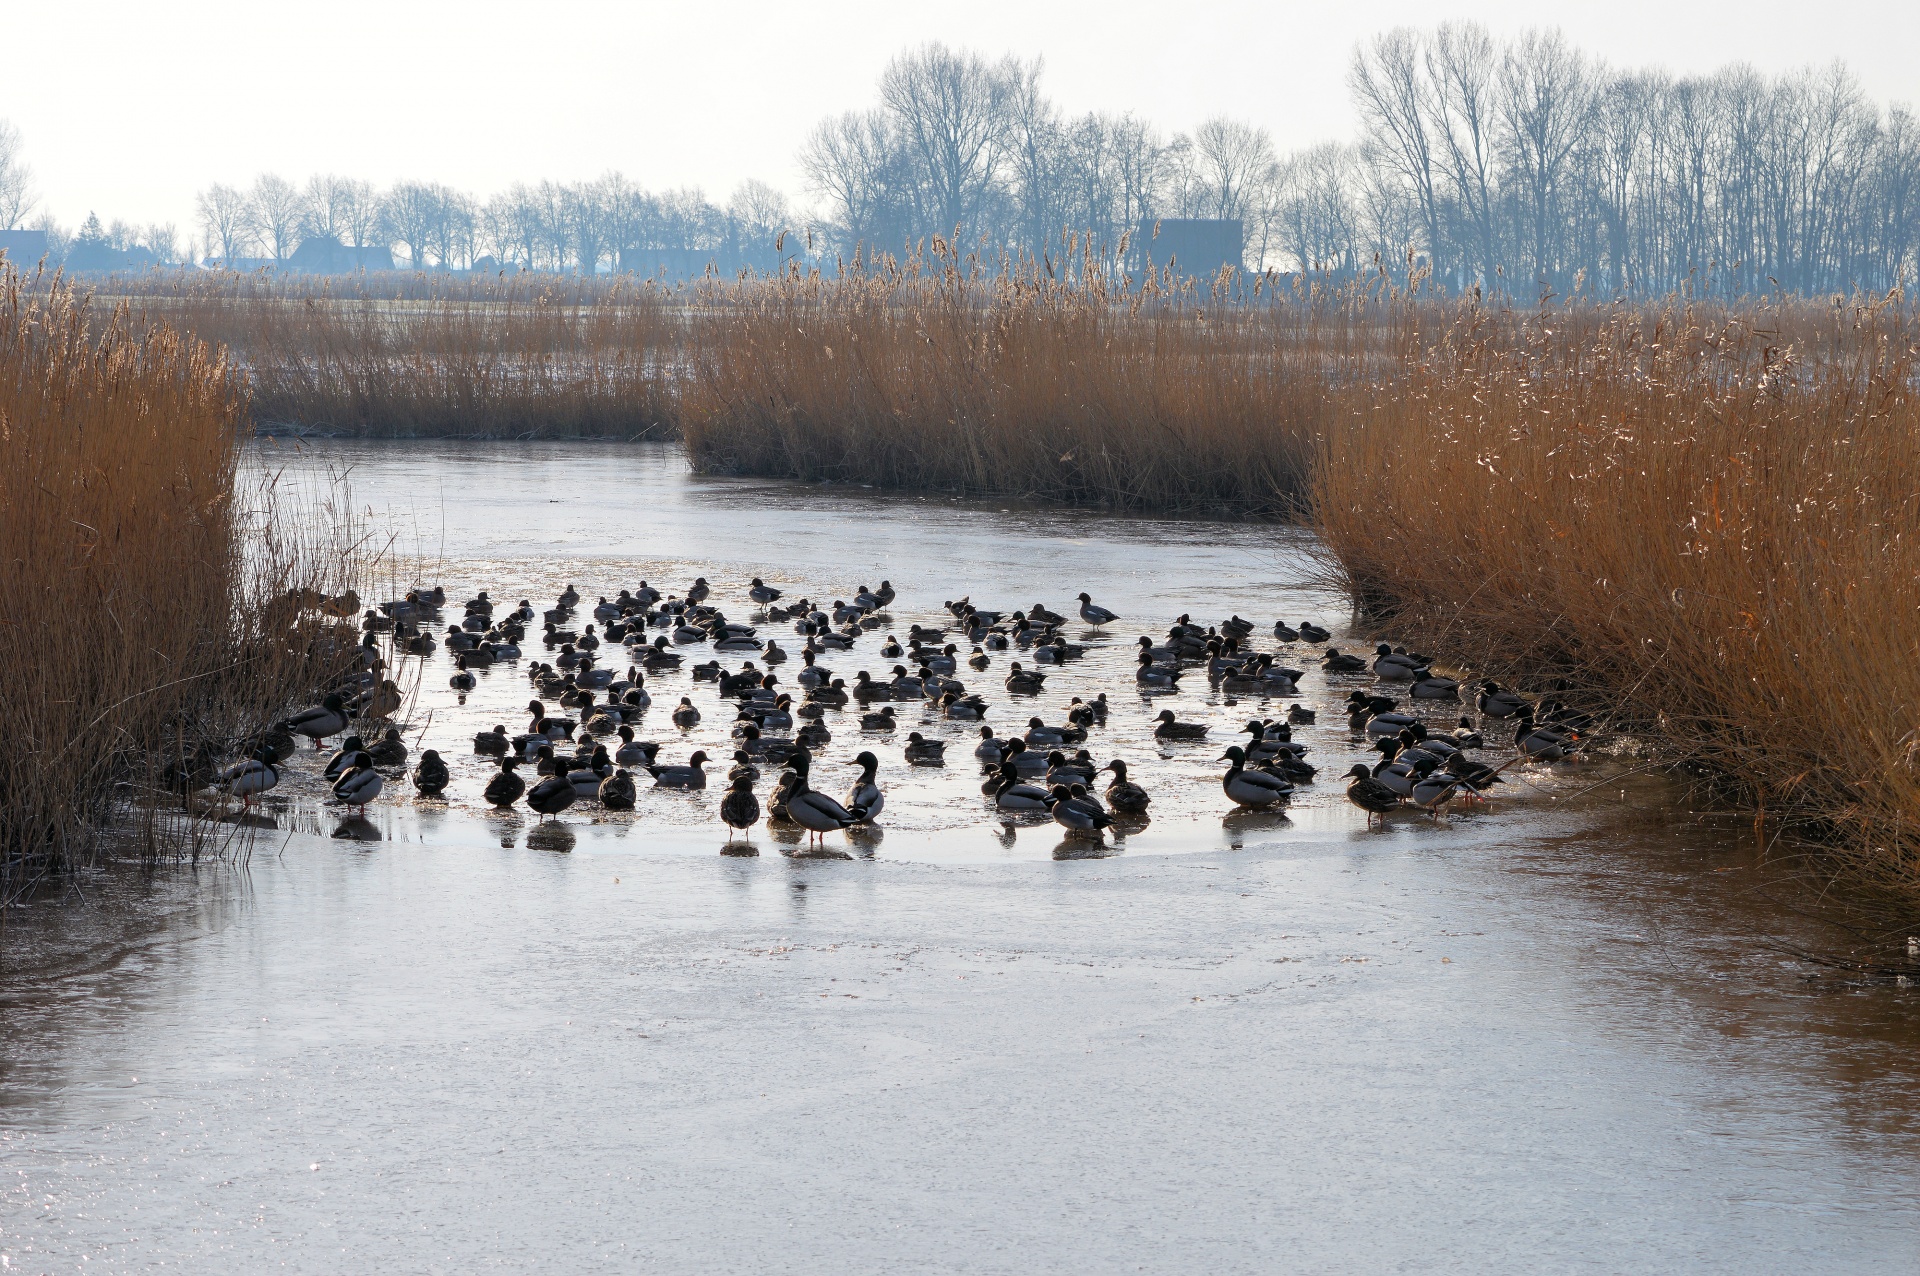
(24, 248)
(322, 255)
(1192, 247)
(97, 257)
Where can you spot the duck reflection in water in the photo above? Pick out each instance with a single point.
(550, 835)
(1083, 848)
(356, 828)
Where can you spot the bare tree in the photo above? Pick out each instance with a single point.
(952, 111)
(1230, 159)
(276, 212)
(1387, 85)
(409, 215)
(846, 161)
(16, 179)
(1460, 61)
(1546, 90)
(225, 220)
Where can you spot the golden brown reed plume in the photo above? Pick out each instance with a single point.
(939, 373)
(420, 355)
(136, 632)
(1707, 523)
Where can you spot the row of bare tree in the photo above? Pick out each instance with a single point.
(1508, 165)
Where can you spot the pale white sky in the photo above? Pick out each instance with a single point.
(129, 108)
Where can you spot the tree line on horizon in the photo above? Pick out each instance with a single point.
(1506, 165)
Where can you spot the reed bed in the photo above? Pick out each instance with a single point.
(417, 356)
(1705, 524)
(936, 374)
(145, 627)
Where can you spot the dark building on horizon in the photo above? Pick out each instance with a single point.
(1194, 247)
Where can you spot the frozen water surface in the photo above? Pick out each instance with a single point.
(1553, 1036)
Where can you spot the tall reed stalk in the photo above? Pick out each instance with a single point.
(143, 624)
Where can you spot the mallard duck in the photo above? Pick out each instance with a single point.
(1541, 744)
(865, 689)
(431, 776)
(1123, 795)
(1299, 716)
(1028, 682)
(1396, 770)
(921, 751)
(328, 718)
(1428, 685)
(634, 752)
(1335, 662)
(685, 715)
(1148, 674)
(865, 798)
(249, 779)
(505, 788)
(739, 809)
(1434, 790)
(1369, 794)
(389, 750)
(1390, 665)
(359, 784)
(552, 795)
(990, 750)
(1495, 701)
(1466, 737)
(1389, 723)
(762, 593)
(617, 791)
(1077, 814)
(1313, 633)
(880, 721)
(1010, 793)
(906, 686)
(1254, 789)
(691, 776)
(1170, 729)
(1095, 616)
(1284, 632)
(340, 762)
(586, 779)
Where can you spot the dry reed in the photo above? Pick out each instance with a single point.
(138, 628)
(935, 373)
(1708, 525)
(409, 356)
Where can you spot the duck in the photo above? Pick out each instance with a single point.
(685, 715)
(1466, 737)
(505, 788)
(1010, 793)
(1030, 682)
(743, 766)
(691, 776)
(1428, 685)
(359, 784)
(906, 686)
(1123, 795)
(739, 809)
(431, 776)
(1396, 769)
(1095, 616)
(1300, 716)
(617, 792)
(1313, 633)
(552, 795)
(385, 700)
(880, 721)
(1336, 662)
(634, 752)
(990, 750)
(249, 779)
(1388, 723)
(1149, 674)
(1369, 794)
(1171, 729)
(1434, 790)
(865, 689)
(921, 751)
(462, 681)
(340, 762)
(1285, 632)
(1390, 665)
(328, 718)
(389, 750)
(1541, 744)
(962, 708)
(1495, 701)
(1252, 789)
(586, 779)
(1076, 812)
(865, 797)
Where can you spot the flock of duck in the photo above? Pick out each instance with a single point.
(581, 745)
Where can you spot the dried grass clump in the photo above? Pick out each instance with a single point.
(936, 373)
(411, 356)
(144, 628)
(1707, 523)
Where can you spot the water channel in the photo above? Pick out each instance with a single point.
(1561, 1032)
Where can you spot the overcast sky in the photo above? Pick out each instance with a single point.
(129, 108)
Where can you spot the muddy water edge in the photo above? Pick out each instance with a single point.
(436, 1037)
